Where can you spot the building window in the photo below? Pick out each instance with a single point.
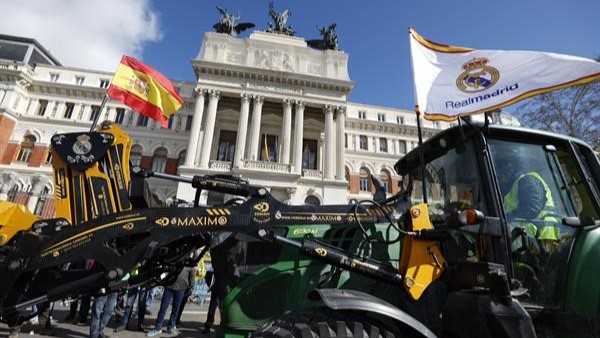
(363, 142)
(402, 147)
(26, 148)
(41, 202)
(54, 77)
(159, 160)
(135, 155)
(347, 176)
(95, 112)
(384, 177)
(312, 200)
(43, 107)
(365, 179)
(170, 122)
(381, 117)
(181, 157)
(226, 149)
(437, 124)
(188, 123)
(400, 119)
(104, 83)
(268, 148)
(383, 147)
(362, 114)
(120, 115)
(69, 110)
(309, 154)
(49, 157)
(142, 120)
(79, 80)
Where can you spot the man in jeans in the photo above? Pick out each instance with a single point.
(174, 292)
(101, 312)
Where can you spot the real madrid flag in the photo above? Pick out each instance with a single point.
(454, 81)
(144, 89)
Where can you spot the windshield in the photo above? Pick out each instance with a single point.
(453, 183)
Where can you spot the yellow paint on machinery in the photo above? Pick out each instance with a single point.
(14, 218)
(421, 262)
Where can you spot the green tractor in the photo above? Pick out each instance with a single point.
(458, 253)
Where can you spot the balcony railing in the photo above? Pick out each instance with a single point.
(220, 165)
(267, 166)
(312, 173)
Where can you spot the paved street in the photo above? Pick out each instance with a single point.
(192, 320)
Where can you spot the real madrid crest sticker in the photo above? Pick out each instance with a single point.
(477, 76)
(83, 145)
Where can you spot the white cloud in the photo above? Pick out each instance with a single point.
(86, 34)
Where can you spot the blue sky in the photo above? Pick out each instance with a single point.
(168, 34)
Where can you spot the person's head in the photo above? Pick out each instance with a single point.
(509, 163)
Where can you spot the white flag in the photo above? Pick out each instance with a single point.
(454, 81)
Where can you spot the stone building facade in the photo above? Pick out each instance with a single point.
(267, 108)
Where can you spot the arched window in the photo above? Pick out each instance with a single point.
(365, 179)
(181, 157)
(312, 200)
(135, 155)
(159, 160)
(384, 176)
(26, 148)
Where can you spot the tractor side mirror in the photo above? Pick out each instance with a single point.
(379, 195)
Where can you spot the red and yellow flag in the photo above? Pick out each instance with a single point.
(145, 90)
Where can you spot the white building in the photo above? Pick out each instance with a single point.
(267, 108)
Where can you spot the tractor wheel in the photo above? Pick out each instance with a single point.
(324, 324)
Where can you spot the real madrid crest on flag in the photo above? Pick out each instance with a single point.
(477, 76)
(454, 81)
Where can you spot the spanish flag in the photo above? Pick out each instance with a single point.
(145, 90)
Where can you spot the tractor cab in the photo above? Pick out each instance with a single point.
(540, 194)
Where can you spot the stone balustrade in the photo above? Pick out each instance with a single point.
(267, 166)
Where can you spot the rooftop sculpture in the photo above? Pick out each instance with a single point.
(279, 24)
(329, 38)
(227, 23)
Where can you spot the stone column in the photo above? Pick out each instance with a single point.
(209, 127)
(286, 131)
(329, 143)
(341, 136)
(255, 132)
(37, 184)
(8, 179)
(298, 136)
(240, 142)
(190, 156)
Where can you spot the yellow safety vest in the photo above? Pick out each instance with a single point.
(550, 230)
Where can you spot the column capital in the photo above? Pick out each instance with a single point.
(329, 108)
(341, 110)
(199, 91)
(214, 94)
(300, 104)
(258, 99)
(245, 96)
(288, 102)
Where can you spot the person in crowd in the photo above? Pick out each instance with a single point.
(174, 292)
(132, 294)
(102, 310)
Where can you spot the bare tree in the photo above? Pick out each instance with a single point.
(573, 111)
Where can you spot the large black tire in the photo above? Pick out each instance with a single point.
(323, 324)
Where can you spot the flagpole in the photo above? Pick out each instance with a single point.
(419, 130)
(97, 117)
(421, 154)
